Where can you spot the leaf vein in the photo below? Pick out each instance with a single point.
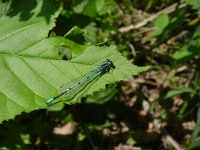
(18, 30)
(17, 76)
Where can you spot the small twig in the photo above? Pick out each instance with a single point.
(167, 10)
(170, 141)
(132, 49)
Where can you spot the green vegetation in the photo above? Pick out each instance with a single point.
(149, 101)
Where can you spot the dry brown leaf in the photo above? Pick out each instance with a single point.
(67, 129)
(190, 125)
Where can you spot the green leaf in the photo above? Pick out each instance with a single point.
(93, 8)
(3, 8)
(183, 54)
(23, 45)
(31, 71)
(197, 128)
(16, 35)
(195, 5)
(94, 127)
(87, 7)
(25, 138)
(103, 96)
(105, 7)
(188, 51)
(76, 34)
(80, 7)
(91, 36)
(178, 91)
(160, 24)
(194, 146)
(197, 32)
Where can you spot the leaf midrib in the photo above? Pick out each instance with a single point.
(26, 56)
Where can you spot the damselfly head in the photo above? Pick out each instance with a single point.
(110, 64)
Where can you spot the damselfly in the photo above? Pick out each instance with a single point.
(105, 67)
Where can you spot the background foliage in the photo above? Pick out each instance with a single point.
(46, 43)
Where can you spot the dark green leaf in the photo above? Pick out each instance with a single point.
(178, 91)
